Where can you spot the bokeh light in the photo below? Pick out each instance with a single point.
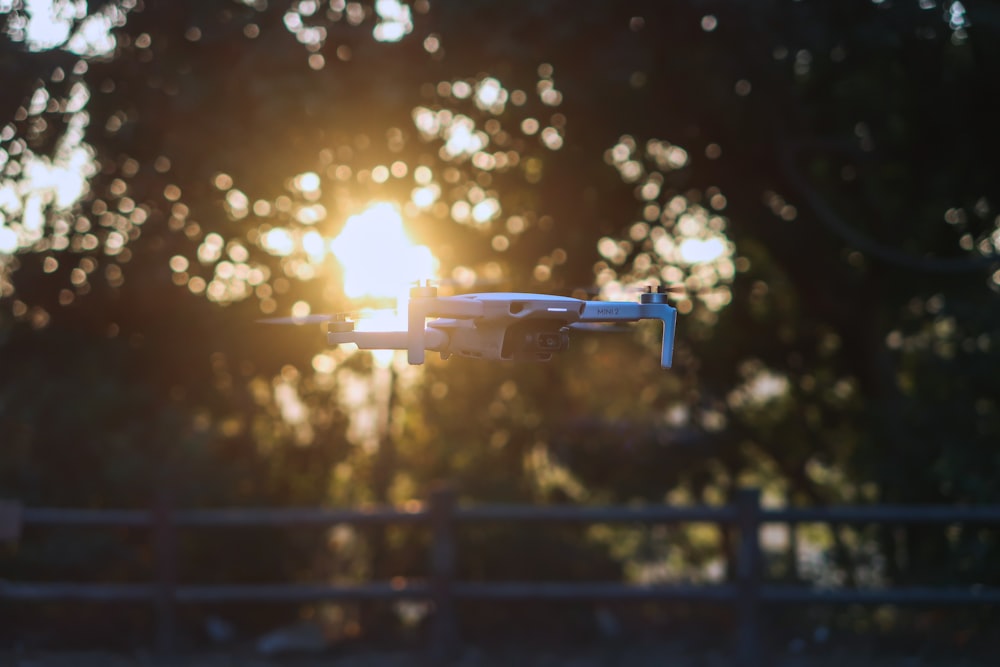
(43, 25)
(679, 241)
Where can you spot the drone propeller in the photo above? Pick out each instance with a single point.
(318, 318)
(323, 318)
(661, 289)
(591, 293)
(452, 286)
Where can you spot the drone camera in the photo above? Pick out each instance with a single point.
(533, 340)
(551, 342)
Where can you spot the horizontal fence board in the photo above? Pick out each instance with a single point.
(290, 516)
(301, 592)
(85, 517)
(556, 513)
(228, 517)
(585, 590)
(280, 517)
(889, 596)
(57, 592)
(512, 590)
(888, 514)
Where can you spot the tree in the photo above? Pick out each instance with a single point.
(817, 175)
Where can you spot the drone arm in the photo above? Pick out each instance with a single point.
(611, 311)
(419, 309)
(389, 340)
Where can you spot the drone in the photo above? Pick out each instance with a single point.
(500, 326)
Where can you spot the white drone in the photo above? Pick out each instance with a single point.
(499, 326)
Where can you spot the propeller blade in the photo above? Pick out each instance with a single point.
(453, 286)
(298, 321)
(590, 293)
(323, 318)
(661, 289)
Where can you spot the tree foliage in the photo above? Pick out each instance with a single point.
(166, 169)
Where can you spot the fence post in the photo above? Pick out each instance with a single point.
(444, 631)
(165, 573)
(10, 521)
(748, 572)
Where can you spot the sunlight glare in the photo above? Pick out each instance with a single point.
(383, 358)
(378, 258)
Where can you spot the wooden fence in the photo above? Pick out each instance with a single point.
(748, 592)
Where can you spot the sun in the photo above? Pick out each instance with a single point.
(378, 258)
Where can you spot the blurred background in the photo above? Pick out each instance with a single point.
(821, 178)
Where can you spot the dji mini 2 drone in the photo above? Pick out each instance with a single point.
(502, 326)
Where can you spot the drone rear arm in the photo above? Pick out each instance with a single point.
(422, 307)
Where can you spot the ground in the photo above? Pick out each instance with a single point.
(660, 655)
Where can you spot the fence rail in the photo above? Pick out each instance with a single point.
(441, 514)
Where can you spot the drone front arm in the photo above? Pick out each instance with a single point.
(612, 311)
(617, 311)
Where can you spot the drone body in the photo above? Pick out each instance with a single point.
(503, 326)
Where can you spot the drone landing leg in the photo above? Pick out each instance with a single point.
(669, 320)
